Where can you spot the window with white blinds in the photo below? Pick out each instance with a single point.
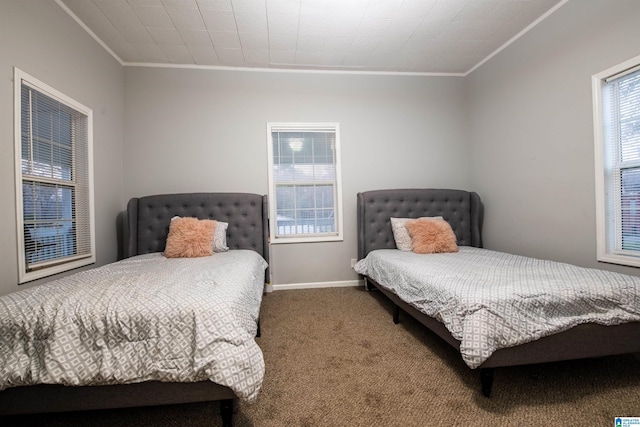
(304, 182)
(617, 134)
(54, 180)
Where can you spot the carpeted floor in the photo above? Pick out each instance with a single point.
(334, 358)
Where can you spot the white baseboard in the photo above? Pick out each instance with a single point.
(314, 285)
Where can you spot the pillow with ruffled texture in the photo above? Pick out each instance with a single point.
(219, 236)
(431, 237)
(400, 234)
(190, 238)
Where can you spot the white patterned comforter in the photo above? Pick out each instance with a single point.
(491, 300)
(142, 318)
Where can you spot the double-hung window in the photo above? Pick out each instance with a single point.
(304, 182)
(53, 180)
(616, 95)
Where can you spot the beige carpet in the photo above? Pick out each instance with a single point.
(334, 357)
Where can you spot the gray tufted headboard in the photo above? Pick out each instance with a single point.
(246, 213)
(462, 209)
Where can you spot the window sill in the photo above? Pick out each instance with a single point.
(627, 260)
(56, 269)
(315, 239)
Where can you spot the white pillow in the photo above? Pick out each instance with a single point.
(219, 236)
(400, 233)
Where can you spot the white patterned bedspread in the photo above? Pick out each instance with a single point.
(143, 318)
(491, 300)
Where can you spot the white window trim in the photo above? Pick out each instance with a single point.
(335, 237)
(55, 267)
(604, 219)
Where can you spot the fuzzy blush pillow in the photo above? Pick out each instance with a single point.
(219, 243)
(431, 237)
(400, 234)
(190, 238)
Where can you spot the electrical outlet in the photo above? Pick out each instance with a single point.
(353, 262)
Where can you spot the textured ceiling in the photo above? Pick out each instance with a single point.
(390, 36)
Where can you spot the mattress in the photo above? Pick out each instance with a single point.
(490, 300)
(143, 318)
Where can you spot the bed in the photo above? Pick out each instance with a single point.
(577, 338)
(203, 316)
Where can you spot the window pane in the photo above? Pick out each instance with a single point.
(629, 117)
(325, 197)
(46, 136)
(285, 199)
(304, 156)
(630, 208)
(305, 209)
(323, 148)
(305, 197)
(48, 221)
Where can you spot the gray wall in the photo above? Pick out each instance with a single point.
(531, 130)
(518, 130)
(41, 39)
(204, 130)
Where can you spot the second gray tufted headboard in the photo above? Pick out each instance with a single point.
(462, 209)
(246, 213)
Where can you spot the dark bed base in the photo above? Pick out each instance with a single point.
(581, 342)
(147, 228)
(464, 212)
(58, 398)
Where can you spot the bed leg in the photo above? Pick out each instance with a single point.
(226, 411)
(258, 332)
(366, 285)
(396, 314)
(486, 381)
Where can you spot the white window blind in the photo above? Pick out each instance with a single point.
(53, 167)
(618, 155)
(304, 181)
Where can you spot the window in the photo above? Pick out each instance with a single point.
(304, 182)
(616, 94)
(53, 180)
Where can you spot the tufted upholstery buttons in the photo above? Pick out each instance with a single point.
(245, 213)
(460, 208)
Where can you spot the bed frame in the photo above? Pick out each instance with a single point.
(148, 225)
(464, 211)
